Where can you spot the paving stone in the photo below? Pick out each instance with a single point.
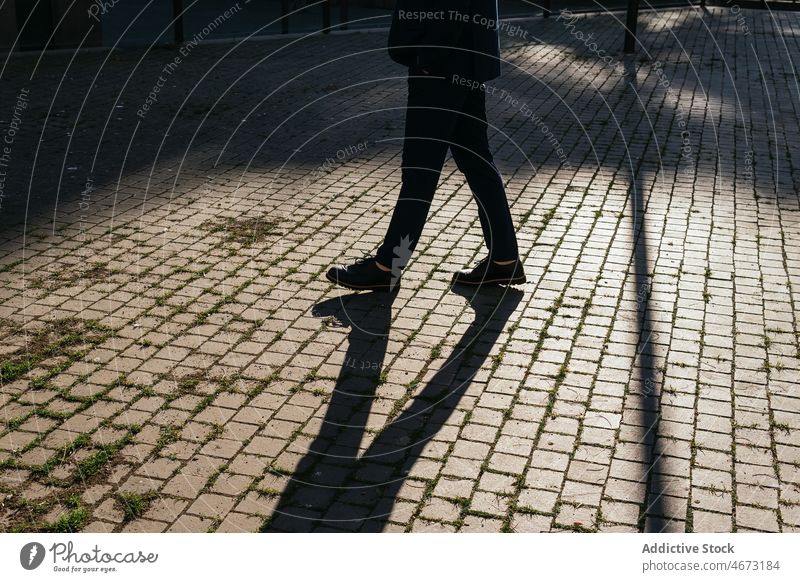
(109, 510)
(572, 516)
(473, 523)
(497, 483)
(159, 468)
(144, 526)
(454, 488)
(507, 463)
(620, 512)
(255, 504)
(537, 500)
(757, 519)
(191, 524)
(489, 503)
(707, 522)
(98, 527)
(425, 526)
(527, 523)
(239, 523)
(212, 505)
(437, 508)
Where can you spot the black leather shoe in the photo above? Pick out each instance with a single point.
(364, 274)
(487, 272)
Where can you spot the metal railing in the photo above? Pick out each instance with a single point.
(23, 23)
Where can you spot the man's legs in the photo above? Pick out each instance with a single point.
(441, 116)
(474, 159)
(431, 115)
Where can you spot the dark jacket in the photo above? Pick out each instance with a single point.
(447, 37)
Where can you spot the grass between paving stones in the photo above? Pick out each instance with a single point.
(72, 521)
(65, 451)
(245, 231)
(251, 229)
(69, 337)
(61, 455)
(397, 407)
(94, 273)
(10, 266)
(693, 448)
(102, 456)
(768, 367)
(168, 435)
(85, 468)
(430, 484)
(551, 395)
(134, 505)
(88, 471)
(276, 468)
(790, 295)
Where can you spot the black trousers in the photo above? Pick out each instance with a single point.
(441, 115)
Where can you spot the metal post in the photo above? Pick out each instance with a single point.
(630, 26)
(177, 19)
(326, 16)
(343, 16)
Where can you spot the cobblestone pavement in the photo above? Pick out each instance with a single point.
(174, 359)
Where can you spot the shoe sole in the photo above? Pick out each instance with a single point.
(514, 281)
(360, 287)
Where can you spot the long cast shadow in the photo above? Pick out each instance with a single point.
(649, 405)
(333, 452)
(336, 489)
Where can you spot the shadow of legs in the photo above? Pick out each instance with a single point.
(332, 454)
(337, 491)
